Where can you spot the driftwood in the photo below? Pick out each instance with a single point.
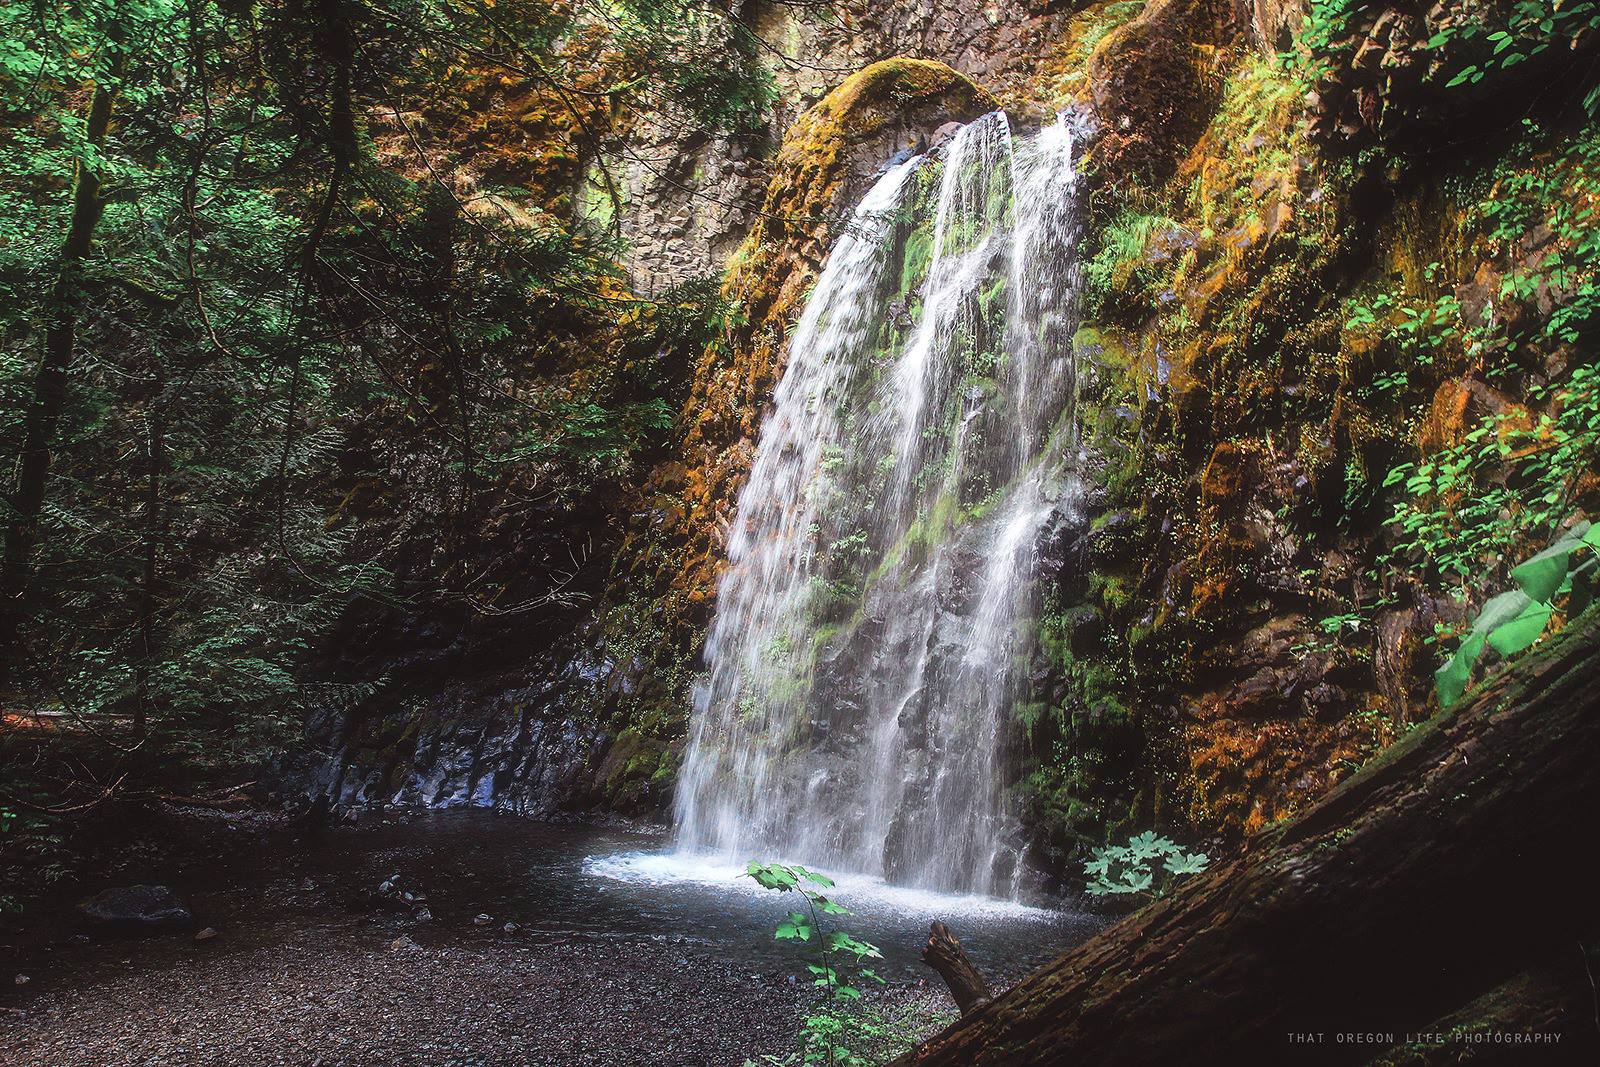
(944, 954)
(1447, 884)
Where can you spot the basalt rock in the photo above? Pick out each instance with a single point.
(1154, 84)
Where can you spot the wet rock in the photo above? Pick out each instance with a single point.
(511, 928)
(208, 934)
(423, 915)
(137, 908)
(482, 919)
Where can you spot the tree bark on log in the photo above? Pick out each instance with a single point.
(944, 954)
(1415, 893)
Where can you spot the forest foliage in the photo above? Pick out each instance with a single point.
(276, 344)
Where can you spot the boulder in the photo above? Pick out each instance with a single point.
(137, 908)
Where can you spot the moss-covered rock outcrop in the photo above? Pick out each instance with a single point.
(1292, 346)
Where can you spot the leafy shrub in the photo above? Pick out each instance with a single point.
(1147, 865)
(835, 965)
(1508, 479)
(1514, 620)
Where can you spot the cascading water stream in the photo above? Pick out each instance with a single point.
(874, 629)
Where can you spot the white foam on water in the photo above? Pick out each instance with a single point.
(853, 890)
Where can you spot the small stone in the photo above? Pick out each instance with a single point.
(403, 943)
(482, 919)
(208, 934)
(422, 915)
(511, 928)
(21, 980)
(386, 888)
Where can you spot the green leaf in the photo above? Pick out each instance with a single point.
(1540, 576)
(1510, 638)
(1499, 610)
(1450, 681)
(1193, 863)
(814, 876)
(772, 875)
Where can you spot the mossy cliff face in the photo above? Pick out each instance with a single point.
(1276, 329)
(823, 167)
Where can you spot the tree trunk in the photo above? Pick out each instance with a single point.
(50, 384)
(1455, 863)
(944, 954)
(153, 536)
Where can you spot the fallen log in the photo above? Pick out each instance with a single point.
(1456, 863)
(944, 954)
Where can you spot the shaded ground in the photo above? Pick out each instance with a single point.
(306, 970)
(337, 993)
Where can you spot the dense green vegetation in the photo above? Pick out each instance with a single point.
(285, 334)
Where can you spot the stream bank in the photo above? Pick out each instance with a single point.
(592, 954)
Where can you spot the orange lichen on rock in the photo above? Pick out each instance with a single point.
(1244, 775)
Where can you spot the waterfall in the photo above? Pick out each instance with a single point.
(874, 629)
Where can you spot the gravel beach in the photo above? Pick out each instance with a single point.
(304, 969)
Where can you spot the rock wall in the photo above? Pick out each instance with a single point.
(689, 205)
(1258, 621)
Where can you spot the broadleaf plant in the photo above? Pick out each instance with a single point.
(1148, 864)
(1514, 620)
(836, 967)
